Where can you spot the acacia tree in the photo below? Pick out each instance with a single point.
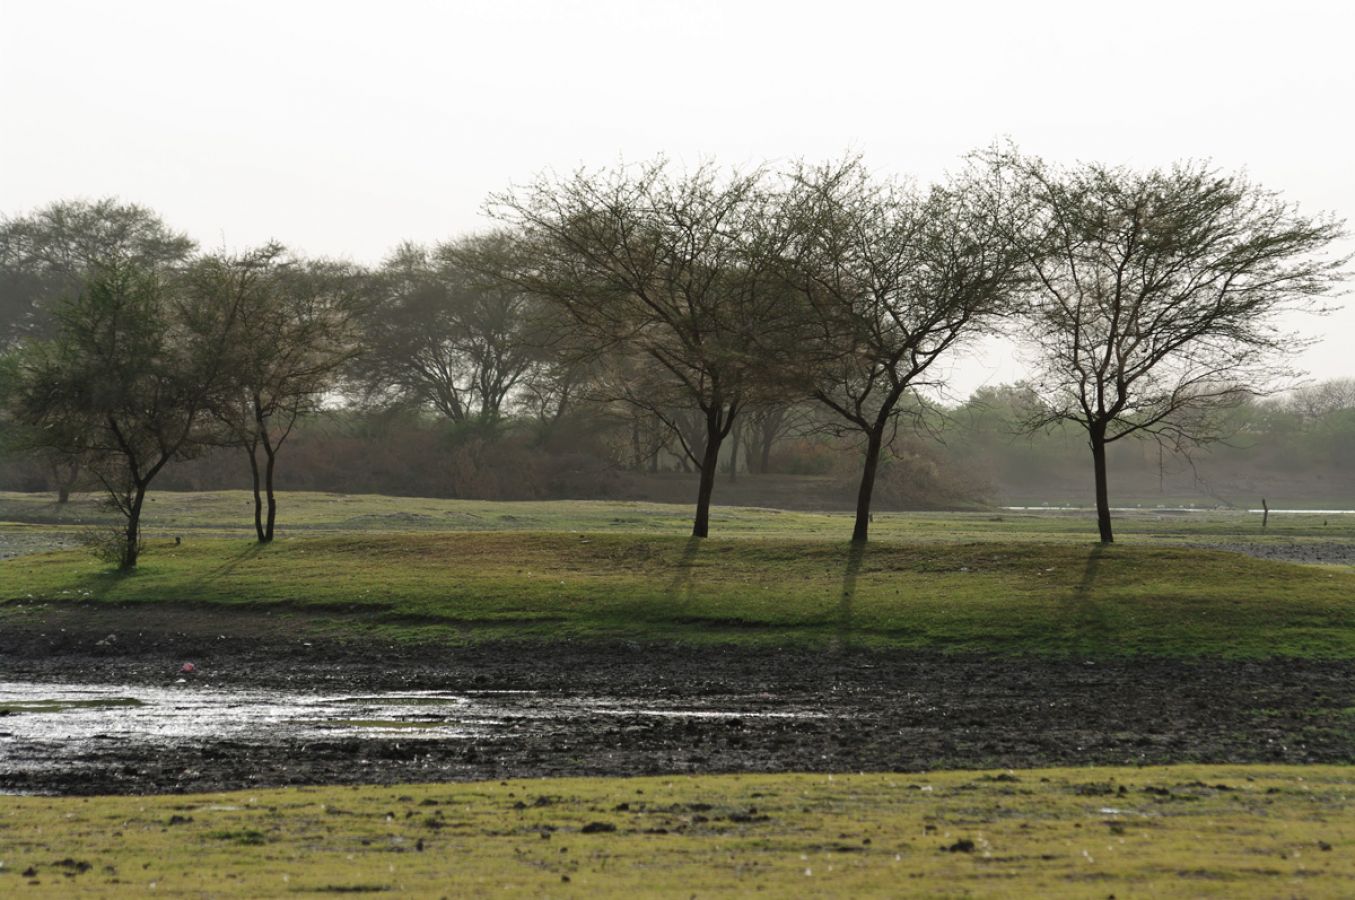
(892, 280)
(46, 255)
(122, 389)
(1155, 294)
(449, 335)
(287, 328)
(675, 274)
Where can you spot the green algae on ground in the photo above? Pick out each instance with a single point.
(14, 707)
(1225, 831)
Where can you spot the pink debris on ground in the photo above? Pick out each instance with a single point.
(188, 669)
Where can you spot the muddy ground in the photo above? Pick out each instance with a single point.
(879, 711)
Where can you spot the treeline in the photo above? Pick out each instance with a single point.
(972, 454)
(641, 319)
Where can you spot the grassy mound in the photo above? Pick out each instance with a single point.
(1047, 598)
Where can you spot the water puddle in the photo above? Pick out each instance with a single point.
(45, 727)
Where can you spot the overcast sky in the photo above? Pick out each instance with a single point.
(342, 128)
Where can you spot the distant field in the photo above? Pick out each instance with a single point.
(230, 512)
(1179, 831)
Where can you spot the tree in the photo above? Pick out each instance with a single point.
(45, 256)
(1313, 401)
(1155, 293)
(287, 327)
(766, 425)
(676, 275)
(893, 279)
(449, 336)
(122, 389)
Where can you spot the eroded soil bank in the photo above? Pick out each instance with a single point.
(844, 709)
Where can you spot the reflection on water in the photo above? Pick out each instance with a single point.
(47, 726)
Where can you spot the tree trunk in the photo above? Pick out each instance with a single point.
(132, 549)
(272, 453)
(258, 494)
(734, 455)
(65, 475)
(710, 466)
(874, 441)
(1098, 442)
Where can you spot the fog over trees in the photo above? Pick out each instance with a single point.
(47, 255)
(626, 324)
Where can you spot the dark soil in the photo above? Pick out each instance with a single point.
(882, 711)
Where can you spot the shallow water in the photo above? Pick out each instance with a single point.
(48, 727)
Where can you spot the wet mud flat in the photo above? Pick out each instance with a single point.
(273, 704)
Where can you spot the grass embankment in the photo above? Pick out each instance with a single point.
(994, 597)
(1229, 831)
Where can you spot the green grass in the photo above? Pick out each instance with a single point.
(1188, 831)
(453, 571)
(1008, 597)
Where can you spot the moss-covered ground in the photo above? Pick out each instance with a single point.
(1181, 831)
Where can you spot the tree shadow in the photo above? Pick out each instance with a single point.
(1087, 617)
(229, 566)
(95, 585)
(680, 588)
(842, 638)
(92, 585)
(1083, 592)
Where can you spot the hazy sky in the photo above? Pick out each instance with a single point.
(344, 127)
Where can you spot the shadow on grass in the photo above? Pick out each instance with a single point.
(842, 637)
(680, 588)
(230, 565)
(95, 585)
(1087, 622)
